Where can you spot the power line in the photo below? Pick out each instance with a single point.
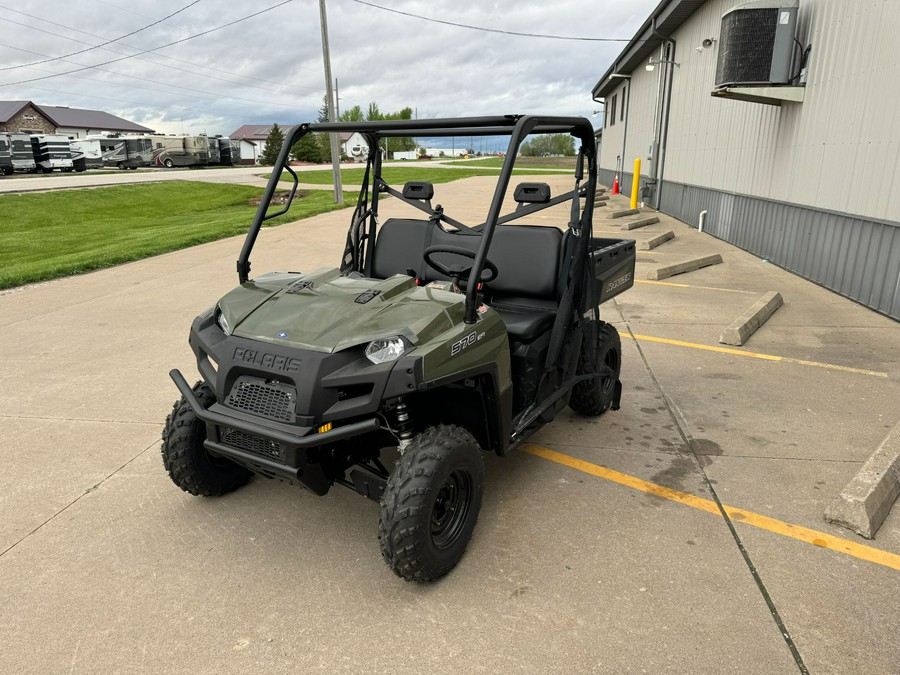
(145, 51)
(139, 58)
(82, 51)
(490, 30)
(193, 90)
(121, 9)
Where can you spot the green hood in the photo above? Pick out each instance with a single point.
(323, 311)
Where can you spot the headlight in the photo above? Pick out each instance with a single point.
(222, 322)
(385, 350)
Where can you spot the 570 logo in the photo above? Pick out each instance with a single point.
(467, 341)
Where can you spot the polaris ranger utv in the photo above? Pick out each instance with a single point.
(431, 342)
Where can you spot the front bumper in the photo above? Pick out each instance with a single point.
(277, 450)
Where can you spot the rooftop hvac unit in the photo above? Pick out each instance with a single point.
(756, 44)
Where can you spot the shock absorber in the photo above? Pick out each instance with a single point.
(403, 425)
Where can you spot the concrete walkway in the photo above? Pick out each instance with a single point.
(106, 566)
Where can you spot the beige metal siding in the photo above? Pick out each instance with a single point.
(838, 150)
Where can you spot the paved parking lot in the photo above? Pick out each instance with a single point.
(601, 546)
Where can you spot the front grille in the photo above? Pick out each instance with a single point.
(251, 443)
(272, 400)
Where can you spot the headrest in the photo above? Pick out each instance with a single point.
(418, 189)
(532, 193)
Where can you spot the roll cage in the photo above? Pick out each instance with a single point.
(358, 254)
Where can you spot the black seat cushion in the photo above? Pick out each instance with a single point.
(525, 318)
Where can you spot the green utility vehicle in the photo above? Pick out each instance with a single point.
(431, 342)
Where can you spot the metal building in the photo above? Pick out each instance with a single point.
(776, 118)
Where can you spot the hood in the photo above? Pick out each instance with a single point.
(326, 312)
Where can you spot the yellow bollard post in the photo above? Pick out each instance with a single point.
(636, 183)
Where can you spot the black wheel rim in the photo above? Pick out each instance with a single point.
(451, 509)
(611, 361)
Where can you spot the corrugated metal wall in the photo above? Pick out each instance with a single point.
(756, 166)
(856, 257)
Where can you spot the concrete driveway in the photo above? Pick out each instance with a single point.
(601, 546)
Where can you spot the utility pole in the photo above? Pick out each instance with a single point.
(329, 93)
(337, 100)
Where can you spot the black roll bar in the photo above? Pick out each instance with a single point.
(517, 127)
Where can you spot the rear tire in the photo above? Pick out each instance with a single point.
(594, 397)
(189, 465)
(431, 503)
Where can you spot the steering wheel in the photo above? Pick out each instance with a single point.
(458, 271)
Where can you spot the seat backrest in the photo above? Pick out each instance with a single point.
(399, 247)
(527, 256)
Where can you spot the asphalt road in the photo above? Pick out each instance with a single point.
(600, 547)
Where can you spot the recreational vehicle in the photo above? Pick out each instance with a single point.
(171, 151)
(6, 166)
(20, 152)
(86, 154)
(124, 152)
(213, 154)
(51, 151)
(230, 151)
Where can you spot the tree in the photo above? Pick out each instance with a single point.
(354, 114)
(323, 140)
(373, 114)
(308, 149)
(549, 145)
(274, 141)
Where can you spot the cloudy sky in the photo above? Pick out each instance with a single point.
(268, 68)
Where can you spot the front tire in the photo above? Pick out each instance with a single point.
(189, 465)
(168, 163)
(431, 503)
(594, 397)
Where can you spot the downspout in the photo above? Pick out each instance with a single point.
(665, 122)
(625, 102)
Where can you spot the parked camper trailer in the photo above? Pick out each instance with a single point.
(124, 152)
(51, 152)
(6, 166)
(229, 151)
(20, 152)
(171, 151)
(86, 154)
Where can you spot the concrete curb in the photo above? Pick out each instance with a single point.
(682, 267)
(752, 319)
(867, 499)
(650, 244)
(640, 222)
(624, 212)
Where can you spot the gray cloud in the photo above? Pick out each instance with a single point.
(269, 68)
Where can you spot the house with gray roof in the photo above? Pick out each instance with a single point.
(31, 118)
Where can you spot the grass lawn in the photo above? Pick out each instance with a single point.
(522, 162)
(396, 175)
(53, 234)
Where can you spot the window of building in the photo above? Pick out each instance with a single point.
(612, 110)
(624, 98)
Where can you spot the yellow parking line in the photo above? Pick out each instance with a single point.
(798, 532)
(705, 288)
(754, 355)
(694, 345)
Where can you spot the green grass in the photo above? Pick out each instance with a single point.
(396, 175)
(522, 162)
(53, 234)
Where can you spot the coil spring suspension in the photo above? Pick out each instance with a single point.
(403, 425)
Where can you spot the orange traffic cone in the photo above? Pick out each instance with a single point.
(615, 188)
